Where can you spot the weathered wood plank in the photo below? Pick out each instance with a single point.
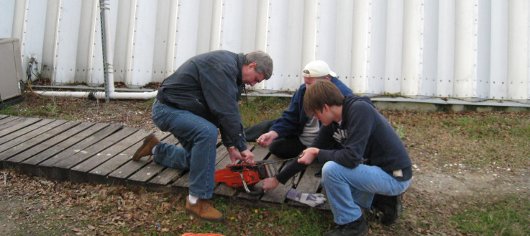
(167, 176)
(7, 120)
(24, 130)
(108, 153)
(19, 144)
(55, 149)
(3, 116)
(309, 183)
(96, 137)
(122, 158)
(131, 167)
(29, 145)
(94, 149)
(21, 123)
(74, 129)
(278, 194)
(151, 169)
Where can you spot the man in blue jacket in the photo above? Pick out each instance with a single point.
(294, 131)
(362, 153)
(289, 135)
(192, 103)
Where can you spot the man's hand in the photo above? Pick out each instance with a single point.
(266, 139)
(234, 154)
(270, 183)
(308, 156)
(245, 156)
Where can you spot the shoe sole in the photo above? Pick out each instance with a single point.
(193, 214)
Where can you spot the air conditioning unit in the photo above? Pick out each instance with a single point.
(10, 68)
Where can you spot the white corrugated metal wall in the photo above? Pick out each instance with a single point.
(432, 48)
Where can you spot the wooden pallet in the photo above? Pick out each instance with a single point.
(100, 152)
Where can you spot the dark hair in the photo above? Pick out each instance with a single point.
(320, 93)
(263, 62)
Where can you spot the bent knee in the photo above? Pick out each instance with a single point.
(209, 132)
(330, 169)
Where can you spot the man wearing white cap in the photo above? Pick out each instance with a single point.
(294, 131)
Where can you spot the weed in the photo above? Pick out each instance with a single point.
(257, 109)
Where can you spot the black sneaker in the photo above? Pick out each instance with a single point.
(357, 227)
(387, 208)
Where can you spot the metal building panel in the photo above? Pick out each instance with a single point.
(377, 34)
(166, 19)
(393, 46)
(187, 37)
(499, 50)
(231, 35)
(360, 41)
(32, 34)
(123, 52)
(343, 51)
(7, 11)
(429, 59)
(413, 39)
(483, 48)
(51, 35)
(69, 21)
(465, 49)
(446, 48)
(518, 50)
(143, 45)
(88, 35)
(285, 37)
(325, 42)
(249, 21)
(205, 19)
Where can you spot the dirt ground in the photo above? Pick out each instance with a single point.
(444, 182)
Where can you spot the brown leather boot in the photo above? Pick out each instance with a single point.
(145, 150)
(204, 210)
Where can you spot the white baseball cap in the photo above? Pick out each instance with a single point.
(317, 68)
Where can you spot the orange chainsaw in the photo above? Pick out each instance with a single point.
(245, 175)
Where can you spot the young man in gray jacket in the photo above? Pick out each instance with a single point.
(192, 103)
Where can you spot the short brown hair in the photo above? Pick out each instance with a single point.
(322, 92)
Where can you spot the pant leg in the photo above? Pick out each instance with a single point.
(252, 133)
(349, 189)
(288, 147)
(199, 139)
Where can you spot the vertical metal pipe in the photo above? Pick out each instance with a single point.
(107, 49)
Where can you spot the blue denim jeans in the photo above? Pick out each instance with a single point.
(198, 138)
(350, 189)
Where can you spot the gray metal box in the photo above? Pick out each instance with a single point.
(10, 68)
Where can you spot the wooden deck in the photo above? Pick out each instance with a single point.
(100, 152)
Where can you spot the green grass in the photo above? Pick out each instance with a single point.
(509, 216)
(256, 109)
(490, 125)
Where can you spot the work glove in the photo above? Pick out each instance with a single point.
(310, 199)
